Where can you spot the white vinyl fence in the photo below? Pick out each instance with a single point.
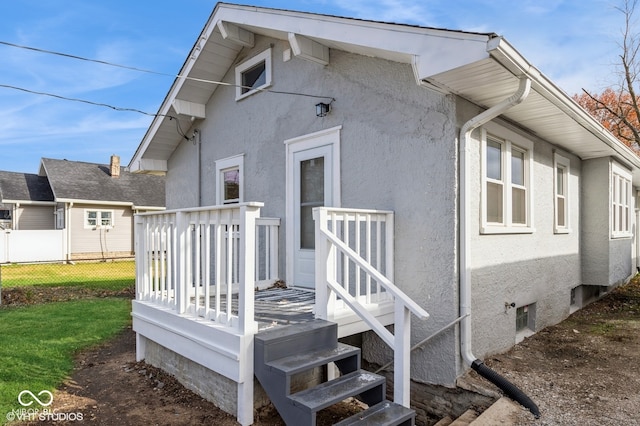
(32, 246)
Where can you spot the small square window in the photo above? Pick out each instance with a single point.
(229, 172)
(525, 321)
(253, 75)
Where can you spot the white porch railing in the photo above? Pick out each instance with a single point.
(354, 260)
(206, 262)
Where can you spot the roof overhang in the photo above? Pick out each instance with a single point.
(481, 68)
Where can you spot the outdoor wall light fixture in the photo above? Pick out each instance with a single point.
(322, 109)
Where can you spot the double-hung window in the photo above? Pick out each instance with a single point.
(561, 194)
(98, 218)
(506, 185)
(620, 202)
(229, 172)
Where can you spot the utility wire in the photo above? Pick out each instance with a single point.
(200, 80)
(7, 86)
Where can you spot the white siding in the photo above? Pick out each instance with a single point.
(101, 241)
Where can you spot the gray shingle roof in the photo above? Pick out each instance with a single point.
(74, 180)
(24, 187)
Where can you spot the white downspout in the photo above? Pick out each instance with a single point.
(465, 208)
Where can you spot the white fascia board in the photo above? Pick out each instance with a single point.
(29, 202)
(511, 59)
(95, 202)
(436, 50)
(164, 110)
(148, 208)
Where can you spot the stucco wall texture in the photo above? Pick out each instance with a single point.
(398, 153)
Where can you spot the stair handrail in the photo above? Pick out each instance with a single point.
(326, 244)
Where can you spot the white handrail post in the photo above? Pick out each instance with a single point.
(389, 244)
(248, 215)
(322, 258)
(140, 254)
(182, 230)
(402, 355)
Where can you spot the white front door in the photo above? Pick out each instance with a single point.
(313, 181)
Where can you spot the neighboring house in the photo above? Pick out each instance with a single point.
(493, 201)
(73, 210)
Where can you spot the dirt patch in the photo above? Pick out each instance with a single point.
(584, 371)
(29, 295)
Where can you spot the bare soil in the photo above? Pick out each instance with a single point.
(583, 371)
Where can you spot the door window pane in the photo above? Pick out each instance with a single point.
(311, 195)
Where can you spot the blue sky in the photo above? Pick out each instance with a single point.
(574, 42)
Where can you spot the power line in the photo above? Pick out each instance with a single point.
(142, 70)
(52, 95)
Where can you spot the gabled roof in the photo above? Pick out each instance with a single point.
(482, 68)
(24, 187)
(74, 181)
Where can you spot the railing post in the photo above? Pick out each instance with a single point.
(389, 245)
(322, 257)
(182, 254)
(140, 254)
(247, 272)
(402, 355)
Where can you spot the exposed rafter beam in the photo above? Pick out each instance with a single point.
(309, 49)
(234, 33)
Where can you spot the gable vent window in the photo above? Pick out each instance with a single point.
(253, 75)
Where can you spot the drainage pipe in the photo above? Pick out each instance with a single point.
(465, 246)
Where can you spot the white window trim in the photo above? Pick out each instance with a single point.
(507, 227)
(235, 162)
(97, 225)
(619, 173)
(240, 69)
(564, 163)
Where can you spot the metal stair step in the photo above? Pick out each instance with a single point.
(329, 393)
(283, 341)
(386, 413)
(304, 361)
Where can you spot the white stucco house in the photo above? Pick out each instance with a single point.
(388, 170)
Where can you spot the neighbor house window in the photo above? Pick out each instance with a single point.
(253, 75)
(98, 218)
(620, 202)
(561, 191)
(229, 172)
(506, 191)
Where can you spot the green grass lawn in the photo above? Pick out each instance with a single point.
(38, 342)
(104, 275)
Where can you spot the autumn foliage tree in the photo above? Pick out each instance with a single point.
(617, 112)
(618, 109)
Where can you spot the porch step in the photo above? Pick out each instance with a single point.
(283, 352)
(369, 386)
(385, 413)
(348, 356)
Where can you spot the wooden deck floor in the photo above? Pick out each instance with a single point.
(283, 306)
(277, 306)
